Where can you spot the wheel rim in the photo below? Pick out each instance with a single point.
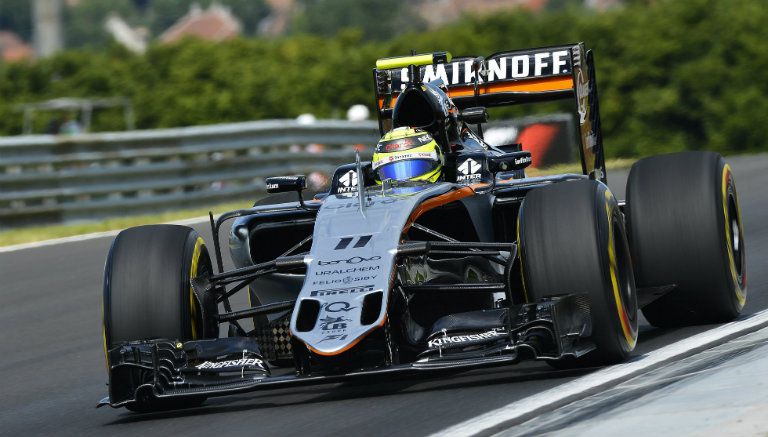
(202, 327)
(736, 235)
(624, 266)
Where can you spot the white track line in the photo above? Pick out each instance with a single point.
(527, 408)
(84, 237)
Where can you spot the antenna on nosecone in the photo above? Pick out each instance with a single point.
(360, 183)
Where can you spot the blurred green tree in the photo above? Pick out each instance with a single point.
(84, 21)
(672, 75)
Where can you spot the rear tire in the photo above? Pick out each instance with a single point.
(572, 240)
(685, 229)
(147, 291)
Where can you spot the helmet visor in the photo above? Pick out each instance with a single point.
(407, 169)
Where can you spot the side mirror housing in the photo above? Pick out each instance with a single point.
(285, 184)
(474, 115)
(510, 161)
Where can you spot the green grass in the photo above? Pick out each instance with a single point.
(39, 233)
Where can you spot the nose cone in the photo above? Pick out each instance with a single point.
(352, 260)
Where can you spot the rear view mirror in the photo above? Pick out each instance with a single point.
(509, 161)
(474, 115)
(285, 184)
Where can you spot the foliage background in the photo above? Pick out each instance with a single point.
(673, 75)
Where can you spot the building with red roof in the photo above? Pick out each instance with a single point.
(213, 24)
(13, 48)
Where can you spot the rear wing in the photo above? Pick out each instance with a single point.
(507, 78)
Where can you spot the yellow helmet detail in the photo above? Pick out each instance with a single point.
(407, 154)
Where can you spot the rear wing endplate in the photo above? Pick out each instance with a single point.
(508, 78)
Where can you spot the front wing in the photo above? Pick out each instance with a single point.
(141, 371)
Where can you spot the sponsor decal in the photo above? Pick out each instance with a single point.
(348, 270)
(273, 186)
(469, 171)
(332, 337)
(329, 323)
(349, 290)
(582, 96)
(344, 280)
(327, 282)
(369, 203)
(591, 140)
(403, 156)
(336, 307)
(512, 66)
(353, 260)
(440, 100)
(435, 93)
(348, 182)
(401, 144)
(289, 179)
(523, 160)
(351, 279)
(458, 339)
(243, 362)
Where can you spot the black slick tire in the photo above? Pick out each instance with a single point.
(572, 240)
(685, 229)
(147, 291)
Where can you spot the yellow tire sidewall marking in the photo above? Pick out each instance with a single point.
(192, 275)
(741, 296)
(630, 334)
(104, 337)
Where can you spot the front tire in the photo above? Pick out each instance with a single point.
(147, 291)
(572, 240)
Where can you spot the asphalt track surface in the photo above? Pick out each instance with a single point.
(52, 370)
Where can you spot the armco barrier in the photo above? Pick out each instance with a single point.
(45, 178)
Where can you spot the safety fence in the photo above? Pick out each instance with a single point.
(45, 178)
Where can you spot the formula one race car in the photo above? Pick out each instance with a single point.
(437, 255)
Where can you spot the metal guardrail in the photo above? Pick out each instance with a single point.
(46, 178)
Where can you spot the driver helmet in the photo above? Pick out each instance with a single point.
(407, 154)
